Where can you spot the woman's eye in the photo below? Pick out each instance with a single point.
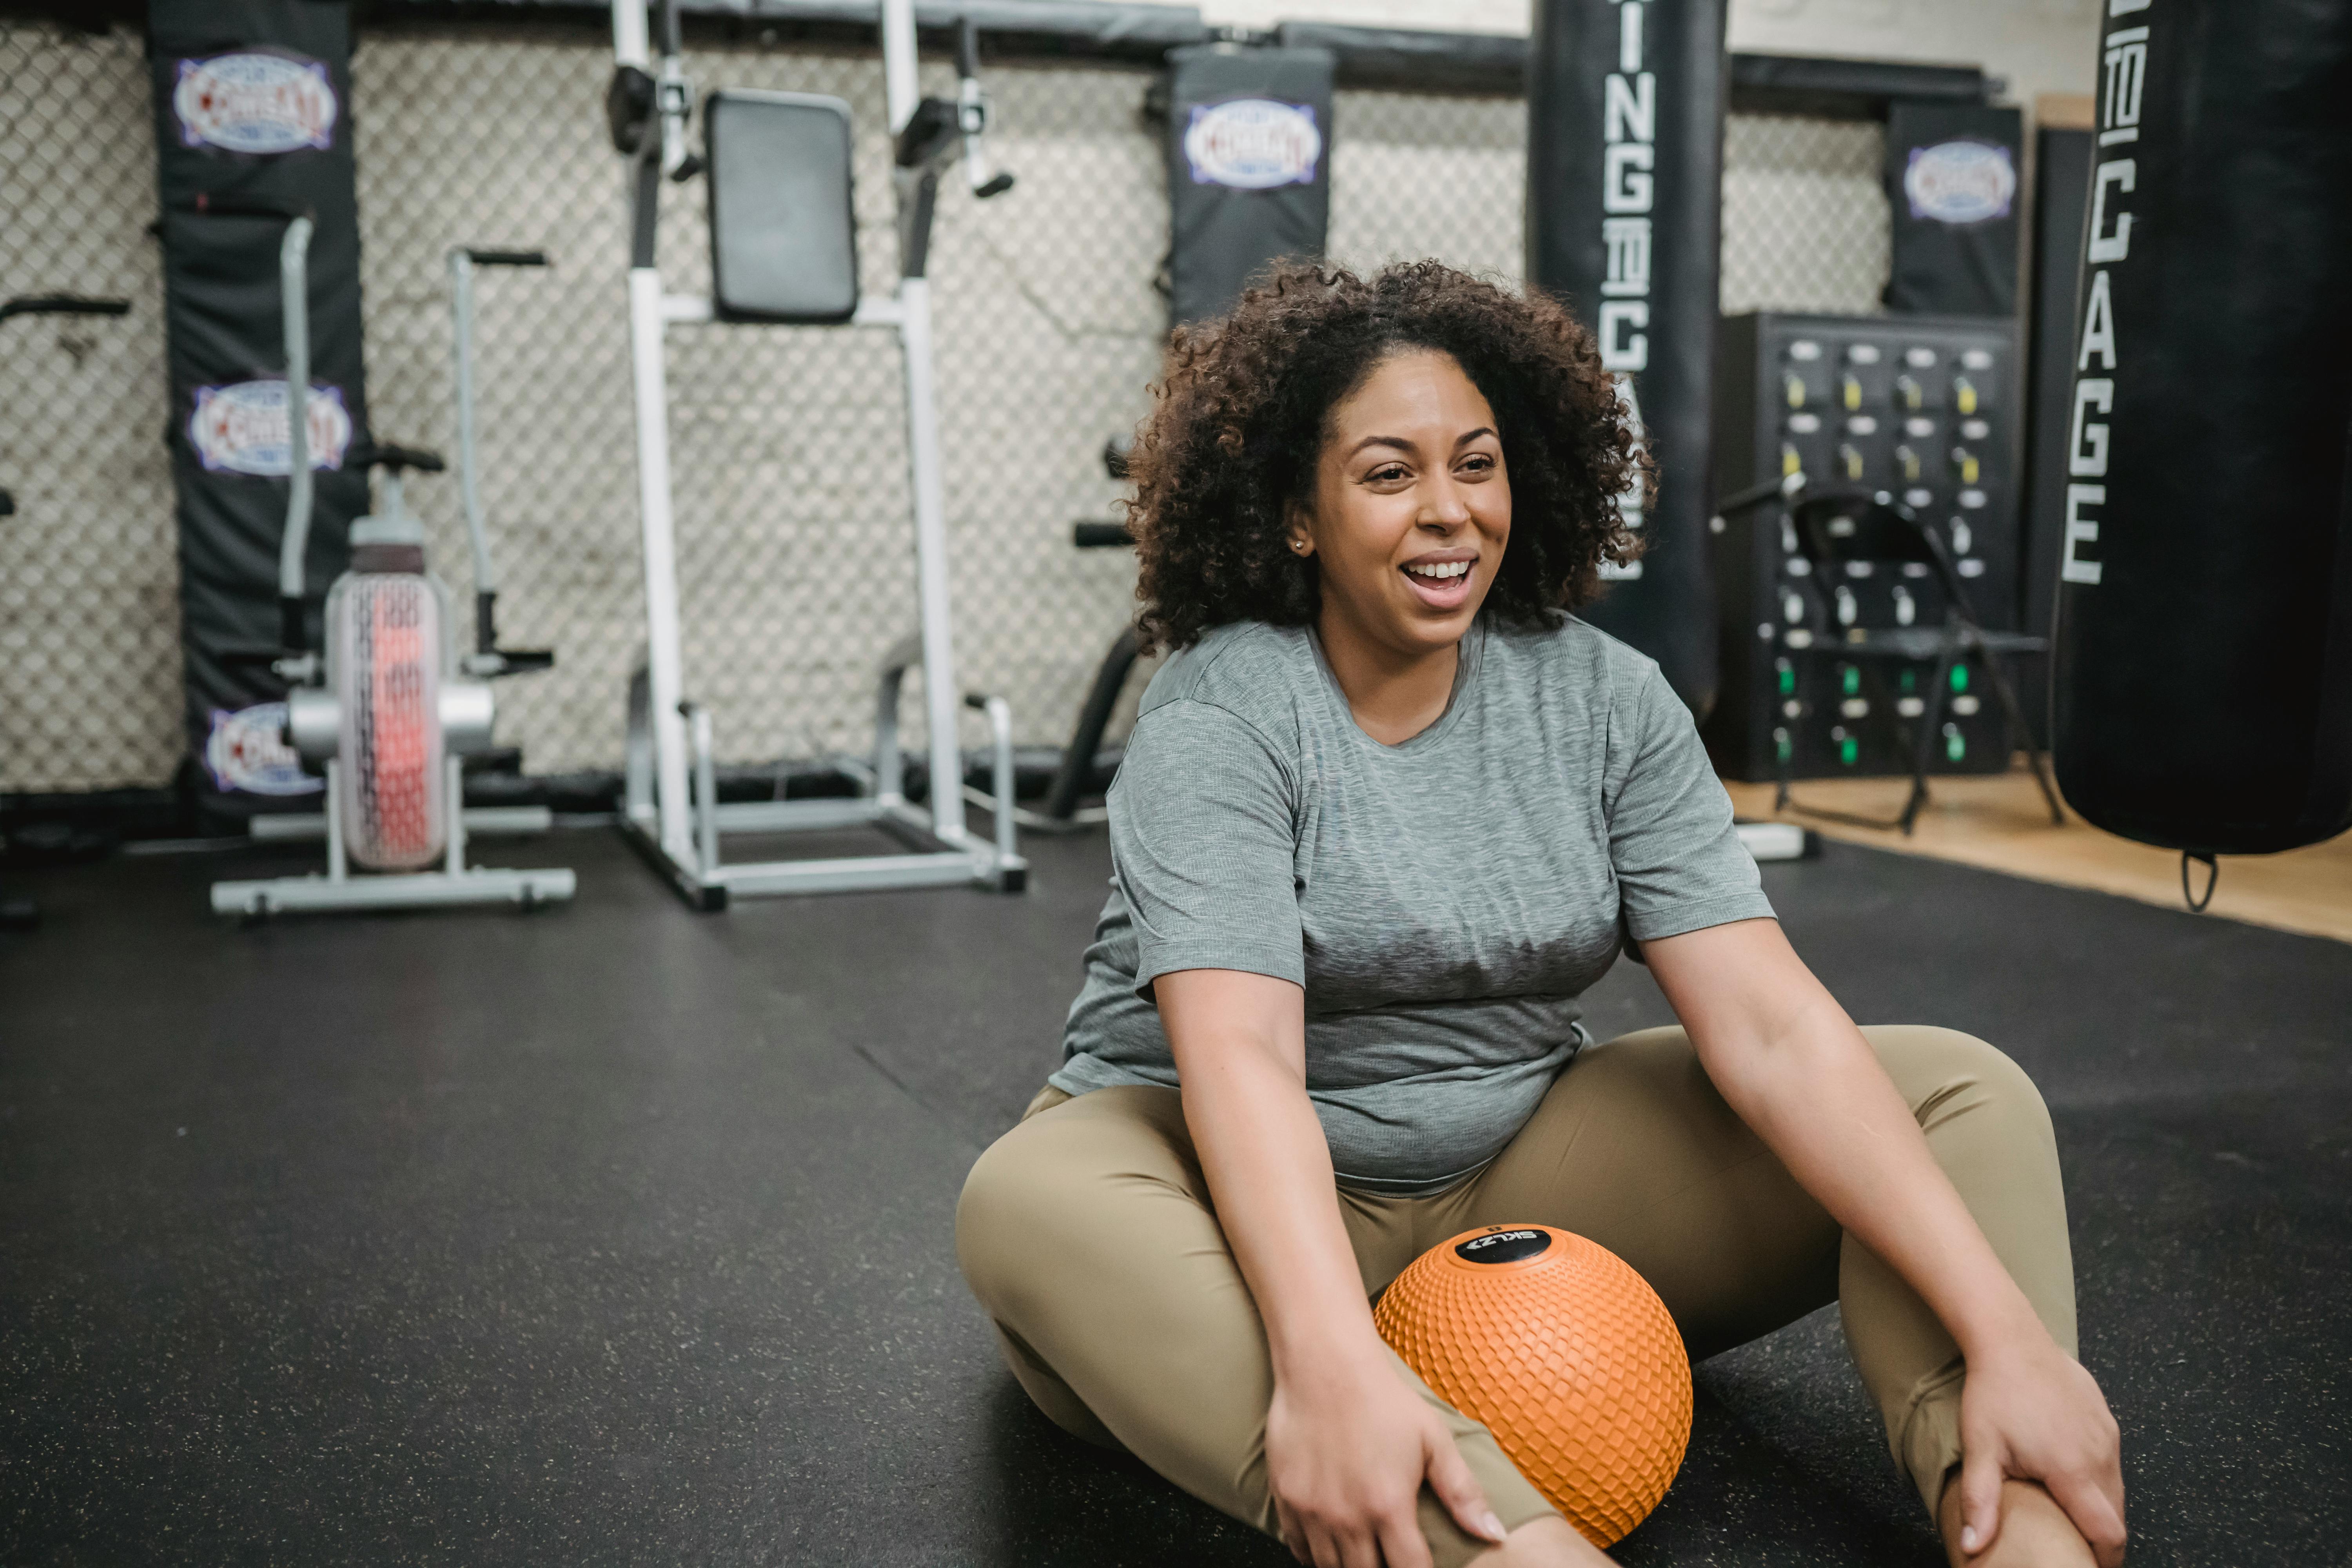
(1387, 474)
(1477, 463)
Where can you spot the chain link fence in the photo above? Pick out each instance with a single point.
(795, 553)
(89, 648)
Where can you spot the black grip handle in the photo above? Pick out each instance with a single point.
(61, 305)
(520, 659)
(1100, 535)
(967, 46)
(251, 658)
(384, 454)
(507, 258)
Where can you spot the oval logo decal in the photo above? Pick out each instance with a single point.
(241, 429)
(1961, 182)
(1253, 144)
(247, 751)
(255, 103)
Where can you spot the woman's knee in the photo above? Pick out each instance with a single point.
(1945, 1072)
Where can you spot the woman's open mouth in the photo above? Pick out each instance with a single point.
(1441, 584)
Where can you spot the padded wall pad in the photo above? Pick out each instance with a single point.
(783, 234)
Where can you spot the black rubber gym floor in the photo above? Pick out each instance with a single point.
(617, 1234)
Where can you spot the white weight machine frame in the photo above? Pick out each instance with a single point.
(670, 811)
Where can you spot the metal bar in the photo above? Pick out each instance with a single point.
(481, 822)
(469, 489)
(706, 792)
(900, 86)
(294, 305)
(453, 773)
(795, 816)
(875, 311)
(337, 869)
(629, 40)
(941, 869)
(889, 760)
(939, 690)
(705, 897)
(660, 547)
(688, 308)
(424, 889)
(999, 727)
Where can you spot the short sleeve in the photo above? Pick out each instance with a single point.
(1205, 843)
(1679, 862)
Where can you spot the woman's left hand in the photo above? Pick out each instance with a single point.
(2028, 1411)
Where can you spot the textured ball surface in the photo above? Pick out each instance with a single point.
(1566, 1356)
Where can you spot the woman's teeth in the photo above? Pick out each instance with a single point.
(1441, 570)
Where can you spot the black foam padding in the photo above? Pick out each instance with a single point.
(783, 233)
(2204, 676)
(621, 1234)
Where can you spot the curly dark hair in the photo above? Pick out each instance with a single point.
(1242, 414)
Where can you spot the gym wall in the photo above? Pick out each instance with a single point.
(795, 560)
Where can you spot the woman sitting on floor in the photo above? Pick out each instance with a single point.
(1386, 813)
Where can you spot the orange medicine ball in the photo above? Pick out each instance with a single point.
(1564, 1352)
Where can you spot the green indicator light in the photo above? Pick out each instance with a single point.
(1960, 677)
(1787, 747)
(1910, 681)
(1853, 676)
(1956, 746)
(1788, 682)
(1849, 749)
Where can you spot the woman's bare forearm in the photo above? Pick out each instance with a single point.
(1239, 1042)
(1789, 1060)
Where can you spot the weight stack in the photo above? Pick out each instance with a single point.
(1923, 407)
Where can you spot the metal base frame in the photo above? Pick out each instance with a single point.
(940, 854)
(456, 883)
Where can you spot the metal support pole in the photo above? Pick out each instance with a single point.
(659, 542)
(294, 287)
(456, 864)
(705, 790)
(338, 864)
(469, 488)
(939, 695)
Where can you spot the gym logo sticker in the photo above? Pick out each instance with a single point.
(242, 429)
(256, 103)
(1961, 182)
(1253, 144)
(247, 751)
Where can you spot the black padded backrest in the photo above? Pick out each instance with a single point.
(784, 240)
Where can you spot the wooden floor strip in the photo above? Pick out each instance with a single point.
(2000, 822)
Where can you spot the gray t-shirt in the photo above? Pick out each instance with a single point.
(1444, 903)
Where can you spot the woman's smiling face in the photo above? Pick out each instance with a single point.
(1410, 509)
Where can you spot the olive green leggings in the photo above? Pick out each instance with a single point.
(1088, 1234)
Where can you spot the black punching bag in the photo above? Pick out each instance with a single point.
(1624, 227)
(2203, 678)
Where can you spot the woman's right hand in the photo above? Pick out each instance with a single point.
(1348, 1446)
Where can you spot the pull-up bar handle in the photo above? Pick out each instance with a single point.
(507, 258)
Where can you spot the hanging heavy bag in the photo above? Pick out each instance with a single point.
(2203, 673)
(1624, 227)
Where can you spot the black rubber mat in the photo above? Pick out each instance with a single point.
(615, 1234)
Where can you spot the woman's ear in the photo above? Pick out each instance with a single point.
(1298, 536)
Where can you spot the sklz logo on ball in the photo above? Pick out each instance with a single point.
(1498, 1239)
(1253, 144)
(1959, 182)
(256, 103)
(243, 428)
